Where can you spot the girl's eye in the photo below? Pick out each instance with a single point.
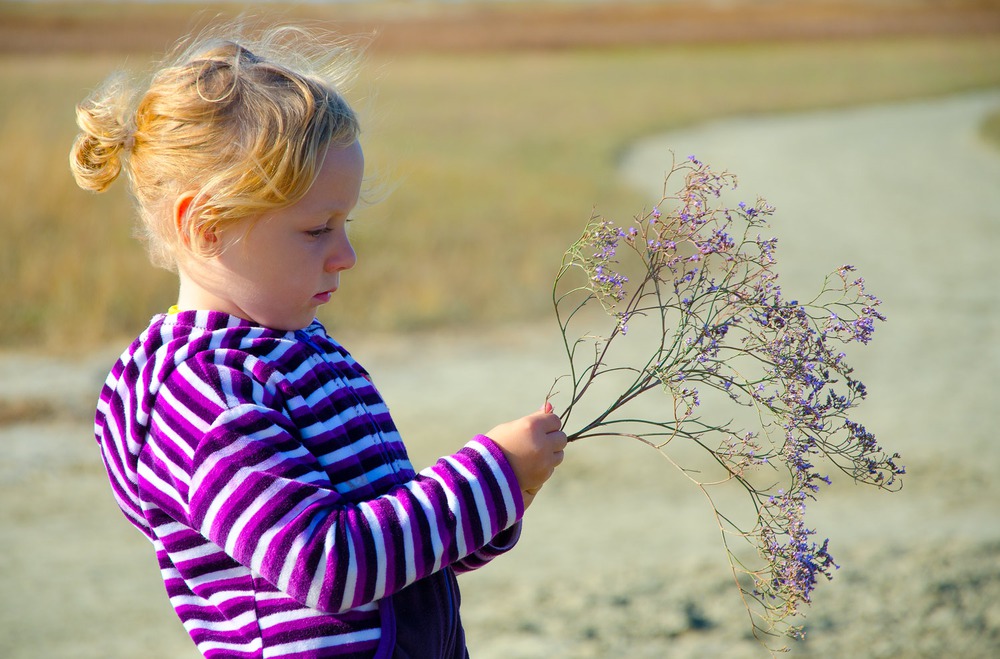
(316, 233)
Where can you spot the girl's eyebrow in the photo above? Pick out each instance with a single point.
(335, 212)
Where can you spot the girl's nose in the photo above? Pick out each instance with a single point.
(341, 256)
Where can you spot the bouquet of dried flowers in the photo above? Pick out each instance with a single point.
(698, 347)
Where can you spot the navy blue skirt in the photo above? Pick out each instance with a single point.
(428, 625)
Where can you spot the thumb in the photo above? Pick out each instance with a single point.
(547, 407)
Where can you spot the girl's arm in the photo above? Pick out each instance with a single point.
(246, 483)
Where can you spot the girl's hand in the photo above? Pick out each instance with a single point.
(534, 447)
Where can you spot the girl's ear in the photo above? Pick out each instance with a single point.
(184, 216)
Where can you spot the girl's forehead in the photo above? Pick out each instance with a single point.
(336, 188)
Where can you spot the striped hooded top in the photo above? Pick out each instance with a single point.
(266, 470)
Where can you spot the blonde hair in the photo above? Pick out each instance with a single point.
(240, 122)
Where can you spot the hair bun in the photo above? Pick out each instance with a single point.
(105, 134)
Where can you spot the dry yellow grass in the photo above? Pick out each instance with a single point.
(991, 129)
(494, 158)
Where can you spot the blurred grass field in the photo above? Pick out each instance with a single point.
(991, 129)
(493, 161)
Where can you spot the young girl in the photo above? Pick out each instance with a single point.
(243, 441)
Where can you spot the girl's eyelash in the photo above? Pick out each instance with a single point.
(316, 233)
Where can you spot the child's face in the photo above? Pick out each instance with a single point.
(278, 273)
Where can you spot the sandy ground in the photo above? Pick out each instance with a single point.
(620, 556)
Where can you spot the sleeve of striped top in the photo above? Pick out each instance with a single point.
(501, 544)
(252, 489)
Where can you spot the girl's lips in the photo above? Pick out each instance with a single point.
(324, 297)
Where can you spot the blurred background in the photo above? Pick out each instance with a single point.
(491, 131)
(497, 126)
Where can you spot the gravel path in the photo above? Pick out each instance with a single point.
(620, 557)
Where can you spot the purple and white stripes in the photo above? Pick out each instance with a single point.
(268, 473)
